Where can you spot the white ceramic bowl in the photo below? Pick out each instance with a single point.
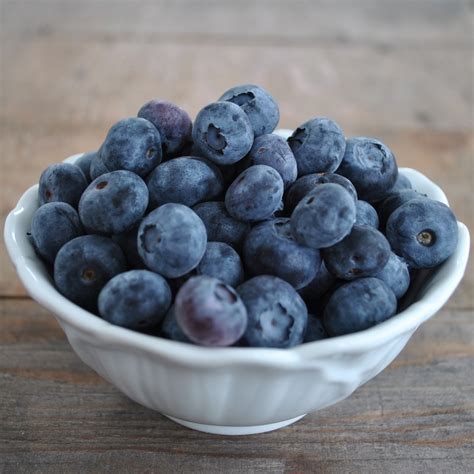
(232, 390)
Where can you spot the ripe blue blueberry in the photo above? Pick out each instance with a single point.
(255, 194)
(222, 133)
(370, 166)
(396, 275)
(401, 183)
(324, 216)
(364, 252)
(129, 245)
(84, 265)
(210, 312)
(53, 225)
(318, 286)
(173, 124)
(84, 162)
(258, 104)
(318, 146)
(423, 231)
(132, 144)
(277, 316)
(113, 203)
(315, 331)
(97, 166)
(172, 240)
(220, 225)
(170, 328)
(137, 299)
(187, 180)
(359, 305)
(61, 182)
(393, 201)
(221, 261)
(366, 214)
(271, 249)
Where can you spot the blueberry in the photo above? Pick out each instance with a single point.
(136, 299)
(132, 144)
(187, 180)
(320, 284)
(423, 231)
(277, 316)
(396, 275)
(258, 104)
(393, 201)
(306, 184)
(370, 166)
(359, 305)
(173, 124)
(270, 249)
(113, 203)
(61, 182)
(53, 225)
(170, 328)
(324, 216)
(223, 262)
(222, 133)
(273, 150)
(366, 214)
(318, 146)
(315, 330)
(172, 240)
(210, 312)
(128, 243)
(255, 194)
(401, 183)
(84, 265)
(364, 252)
(97, 166)
(220, 226)
(84, 162)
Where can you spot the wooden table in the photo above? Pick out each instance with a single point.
(400, 71)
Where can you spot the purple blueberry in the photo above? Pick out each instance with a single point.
(359, 305)
(366, 214)
(170, 328)
(84, 162)
(271, 249)
(61, 182)
(53, 225)
(315, 331)
(324, 216)
(396, 275)
(255, 194)
(222, 133)
(210, 312)
(84, 265)
(173, 124)
(137, 299)
(364, 252)
(132, 144)
(258, 104)
(113, 203)
(172, 240)
(423, 231)
(318, 146)
(187, 180)
(277, 316)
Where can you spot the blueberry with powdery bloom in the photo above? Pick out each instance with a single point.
(304, 185)
(220, 225)
(255, 194)
(318, 146)
(366, 214)
(401, 183)
(173, 123)
(97, 167)
(223, 262)
(323, 282)
(324, 216)
(271, 249)
(61, 217)
(359, 305)
(210, 312)
(132, 144)
(396, 275)
(172, 240)
(370, 166)
(84, 265)
(84, 162)
(222, 133)
(187, 180)
(277, 316)
(258, 104)
(315, 331)
(170, 328)
(137, 299)
(61, 182)
(113, 203)
(128, 243)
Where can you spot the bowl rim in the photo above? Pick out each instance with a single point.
(93, 329)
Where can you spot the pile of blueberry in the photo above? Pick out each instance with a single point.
(220, 233)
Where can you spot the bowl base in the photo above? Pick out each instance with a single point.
(234, 430)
